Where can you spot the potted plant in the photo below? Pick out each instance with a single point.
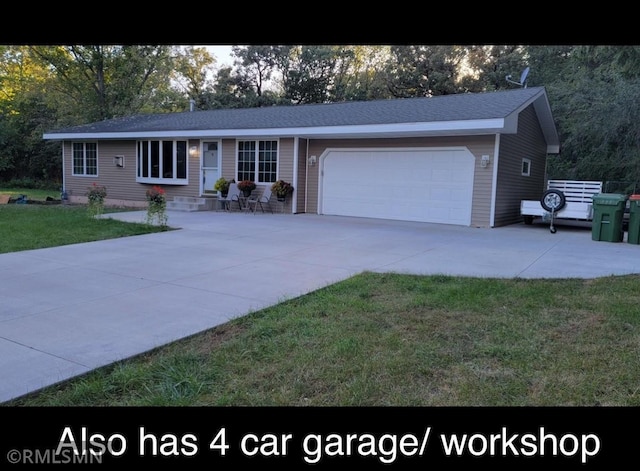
(246, 187)
(281, 189)
(222, 186)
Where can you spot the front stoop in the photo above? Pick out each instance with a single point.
(185, 203)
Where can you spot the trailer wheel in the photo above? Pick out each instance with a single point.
(553, 200)
(528, 220)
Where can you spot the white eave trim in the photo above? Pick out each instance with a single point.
(487, 126)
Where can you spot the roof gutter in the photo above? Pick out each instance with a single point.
(488, 126)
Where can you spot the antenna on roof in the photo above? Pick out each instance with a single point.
(523, 78)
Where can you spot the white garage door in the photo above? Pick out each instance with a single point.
(427, 185)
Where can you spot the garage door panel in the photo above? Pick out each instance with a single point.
(415, 185)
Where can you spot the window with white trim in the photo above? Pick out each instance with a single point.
(526, 167)
(162, 162)
(84, 158)
(258, 161)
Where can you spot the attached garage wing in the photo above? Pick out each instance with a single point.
(425, 185)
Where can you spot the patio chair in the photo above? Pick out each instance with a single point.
(262, 200)
(232, 195)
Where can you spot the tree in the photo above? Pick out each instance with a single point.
(594, 102)
(25, 113)
(422, 71)
(255, 67)
(486, 67)
(313, 72)
(193, 74)
(361, 75)
(549, 65)
(101, 82)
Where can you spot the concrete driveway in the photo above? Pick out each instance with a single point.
(67, 310)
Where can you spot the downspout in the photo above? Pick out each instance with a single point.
(494, 182)
(63, 192)
(294, 201)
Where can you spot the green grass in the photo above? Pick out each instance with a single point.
(34, 226)
(396, 340)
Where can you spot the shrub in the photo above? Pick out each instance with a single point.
(95, 196)
(157, 206)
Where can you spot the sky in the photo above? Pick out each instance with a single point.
(222, 54)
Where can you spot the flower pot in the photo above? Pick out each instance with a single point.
(281, 197)
(246, 193)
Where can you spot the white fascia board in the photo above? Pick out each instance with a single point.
(401, 129)
(510, 124)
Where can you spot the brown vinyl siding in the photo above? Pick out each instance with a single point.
(285, 162)
(120, 182)
(285, 168)
(482, 181)
(512, 186)
(477, 145)
(228, 170)
(302, 183)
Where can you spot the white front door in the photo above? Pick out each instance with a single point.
(210, 166)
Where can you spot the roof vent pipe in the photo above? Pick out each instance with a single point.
(192, 105)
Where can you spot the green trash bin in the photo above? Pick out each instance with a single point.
(608, 214)
(633, 233)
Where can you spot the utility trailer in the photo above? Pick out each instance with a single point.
(563, 199)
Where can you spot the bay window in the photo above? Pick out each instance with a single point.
(162, 162)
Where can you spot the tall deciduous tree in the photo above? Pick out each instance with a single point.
(255, 69)
(26, 111)
(101, 82)
(595, 105)
(313, 73)
(486, 68)
(362, 75)
(193, 74)
(422, 71)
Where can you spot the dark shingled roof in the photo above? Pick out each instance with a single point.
(459, 107)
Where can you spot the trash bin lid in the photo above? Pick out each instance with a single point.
(609, 198)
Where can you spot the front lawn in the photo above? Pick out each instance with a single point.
(34, 226)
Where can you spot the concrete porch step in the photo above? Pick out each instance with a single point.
(185, 203)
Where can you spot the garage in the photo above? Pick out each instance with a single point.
(417, 184)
